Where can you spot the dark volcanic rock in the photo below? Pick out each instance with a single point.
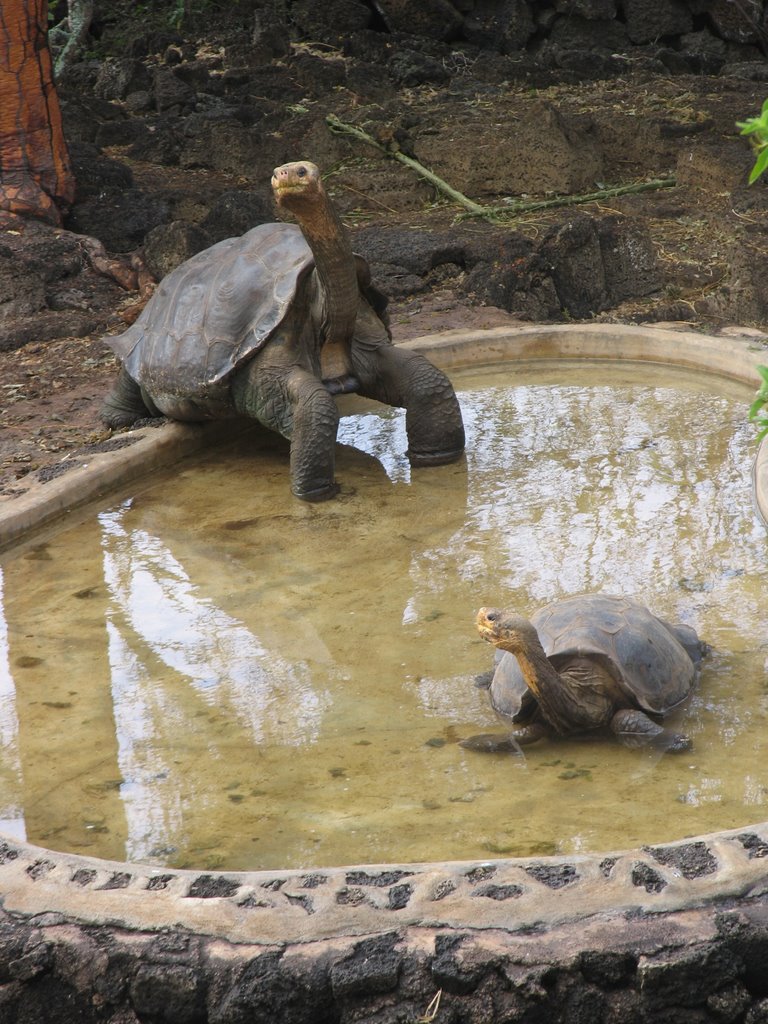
(505, 26)
(120, 76)
(168, 245)
(650, 20)
(119, 218)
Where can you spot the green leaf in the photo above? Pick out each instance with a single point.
(756, 125)
(760, 165)
(747, 127)
(755, 408)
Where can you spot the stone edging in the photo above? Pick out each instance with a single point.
(289, 907)
(514, 895)
(125, 457)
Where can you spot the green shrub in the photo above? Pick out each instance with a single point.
(757, 127)
(758, 411)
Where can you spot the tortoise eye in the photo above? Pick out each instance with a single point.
(302, 172)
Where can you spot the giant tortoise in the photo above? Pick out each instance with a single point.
(585, 663)
(271, 325)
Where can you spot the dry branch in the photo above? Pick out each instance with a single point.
(501, 212)
(349, 129)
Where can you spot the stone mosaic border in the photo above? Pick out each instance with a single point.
(595, 906)
(297, 906)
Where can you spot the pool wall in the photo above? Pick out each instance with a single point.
(664, 933)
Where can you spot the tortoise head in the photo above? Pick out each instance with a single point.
(505, 630)
(295, 184)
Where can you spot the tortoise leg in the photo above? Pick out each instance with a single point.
(313, 439)
(504, 742)
(635, 729)
(406, 379)
(125, 403)
(294, 403)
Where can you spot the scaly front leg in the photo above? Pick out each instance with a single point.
(293, 402)
(635, 729)
(406, 379)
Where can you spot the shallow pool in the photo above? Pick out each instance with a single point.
(210, 673)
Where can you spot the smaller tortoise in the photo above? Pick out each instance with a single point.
(271, 326)
(586, 663)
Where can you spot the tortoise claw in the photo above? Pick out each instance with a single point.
(345, 385)
(319, 494)
(492, 743)
(672, 743)
(417, 459)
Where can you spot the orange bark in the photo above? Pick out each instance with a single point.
(36, 177)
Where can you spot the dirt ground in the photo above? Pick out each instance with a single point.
(50, 392)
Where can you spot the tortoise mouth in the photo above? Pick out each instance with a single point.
(485, 628)
(284, 189)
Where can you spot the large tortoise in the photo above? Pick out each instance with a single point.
(588, 662)
(271, 325)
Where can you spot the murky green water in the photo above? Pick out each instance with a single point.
(209, 673)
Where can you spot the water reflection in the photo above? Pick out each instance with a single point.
(58, 670)
(211, 673)
(158, 619)
(11, 807)
(161, 626)
(598, 512)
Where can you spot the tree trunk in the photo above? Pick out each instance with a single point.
(79, 18)
(36, 177)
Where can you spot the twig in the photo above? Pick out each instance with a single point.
(493, 213)
(512, 209)
(370, 199)
(79, 23)
(432, 1010)
(341, 128)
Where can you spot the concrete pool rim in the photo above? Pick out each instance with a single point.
(283, 907)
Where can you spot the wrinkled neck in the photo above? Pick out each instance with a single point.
(538, 673)
(335, 266)
(543, 680)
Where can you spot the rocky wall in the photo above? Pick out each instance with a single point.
(695, 966)
(678, 35)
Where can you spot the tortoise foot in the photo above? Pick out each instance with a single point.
(319, 493)
(125, 403)
(434, 458)
(672, 743)
(635, 729)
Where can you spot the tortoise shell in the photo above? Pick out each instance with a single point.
(215, 311)
(654, 663)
